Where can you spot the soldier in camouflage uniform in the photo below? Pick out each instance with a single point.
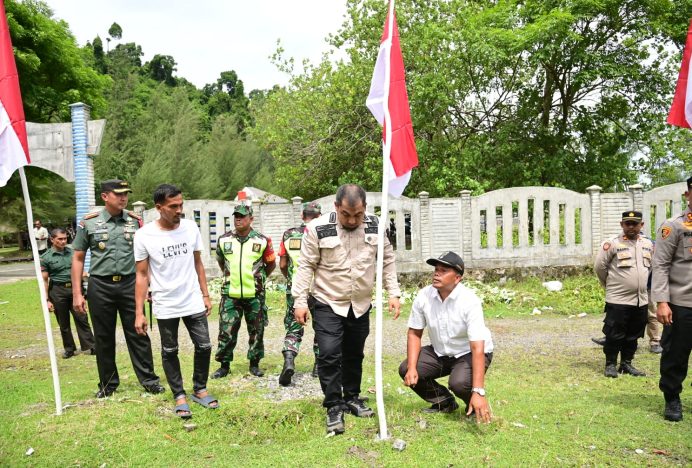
(289, 254)
(246, 258)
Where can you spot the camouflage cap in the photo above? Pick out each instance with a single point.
(243, 210)
(115, 186)
(312, 208)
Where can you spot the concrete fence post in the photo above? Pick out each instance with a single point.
(637, 193)
(466, 231)
(424, 228)
(596, 213)
(297, 210)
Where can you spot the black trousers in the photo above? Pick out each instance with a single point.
(340, 363)
(107, 300)
(61, 297)
(198, 328)
(623, 326)
(430, 366)
(676, 343)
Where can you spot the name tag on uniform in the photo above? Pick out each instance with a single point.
(256, 247)
(227, 247)
(294, 244)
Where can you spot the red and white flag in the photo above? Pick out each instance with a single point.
(14, 149)
(681, 111)
(388, 101)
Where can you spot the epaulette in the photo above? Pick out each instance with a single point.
(133, 214)
(332, 217)
(93, 214)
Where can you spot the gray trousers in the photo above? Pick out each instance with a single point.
(431, 366)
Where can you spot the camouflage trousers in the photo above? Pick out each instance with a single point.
(231, 311)
(294, 330)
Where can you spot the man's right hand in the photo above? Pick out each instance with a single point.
(79, 304)
(50, 306)
(664, 314)
(302, 315)
(141, 324)
(411, 378)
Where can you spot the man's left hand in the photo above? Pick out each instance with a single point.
(480, 405)
(394, 306)
(207, 305)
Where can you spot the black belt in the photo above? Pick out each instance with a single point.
(64, 285)
(112, 278)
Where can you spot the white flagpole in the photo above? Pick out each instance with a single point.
(42, 293)
(382, 229)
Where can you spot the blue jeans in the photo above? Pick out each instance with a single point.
(198, 329)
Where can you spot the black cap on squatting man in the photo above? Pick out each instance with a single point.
(450, 259)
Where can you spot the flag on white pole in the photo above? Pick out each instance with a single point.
(681, 110)
(14, 149)
(14, 154)
(389, 93)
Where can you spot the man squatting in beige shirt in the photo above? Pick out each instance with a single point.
(339, 251)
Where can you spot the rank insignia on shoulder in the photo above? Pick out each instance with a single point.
(325, 230)
(372, 219)
(93, 214)
(294, 244)
(256, 247)
(332, 217)
(606, 246)
(665, 232)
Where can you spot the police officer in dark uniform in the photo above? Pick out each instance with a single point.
(109, 234)
(56, 264)
(672, 290)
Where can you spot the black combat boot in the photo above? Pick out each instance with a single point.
(626, 367)
(610, 370)
(254, 368)
(289, 368)
(358, 408)
(335, 420)
(222, 371)
(314, 369)
(673, 411)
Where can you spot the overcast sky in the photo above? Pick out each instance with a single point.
(206, 37)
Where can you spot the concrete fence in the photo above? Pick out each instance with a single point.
(514, 227)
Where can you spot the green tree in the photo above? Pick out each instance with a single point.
(161, 68)
(502, 94)
(115, 31)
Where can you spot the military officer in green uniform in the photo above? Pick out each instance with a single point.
(246, 258)
(289, 254)
(109, 234)
(56, 263)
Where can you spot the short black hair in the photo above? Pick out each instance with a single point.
(352, 193)
(55, 231)
(165, 191)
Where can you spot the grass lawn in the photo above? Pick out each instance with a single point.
(14, 252)
(551, 403)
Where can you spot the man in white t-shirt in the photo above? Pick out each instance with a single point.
(169, 263)
(461, 345)
(41, 236)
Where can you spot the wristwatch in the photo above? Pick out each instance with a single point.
(479, 390)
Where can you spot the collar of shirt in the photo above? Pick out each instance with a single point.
(106, 216)
(64, 251)
(452, 296)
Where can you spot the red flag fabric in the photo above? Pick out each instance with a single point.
(403, 155)
(14, 148)
(681, 111)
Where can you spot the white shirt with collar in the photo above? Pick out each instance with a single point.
(451, 323)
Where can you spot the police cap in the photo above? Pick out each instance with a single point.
(632, 216)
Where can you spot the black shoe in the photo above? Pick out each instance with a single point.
(335, 420)
(445, 407)
(599, 341)
(358, 408)
(673, 411)
(255, 370)
(610, 370)
(655, 348)
(626, 367)
(105, 392)
(154, 389)
(67, 354)
(91, 351)
(315, 373)
(222, 371)
(289, 368)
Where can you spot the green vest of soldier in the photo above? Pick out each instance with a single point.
(246, 258)
(289, 254)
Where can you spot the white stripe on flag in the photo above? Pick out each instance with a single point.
(12, 155)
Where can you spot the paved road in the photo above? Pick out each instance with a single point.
(20, 270)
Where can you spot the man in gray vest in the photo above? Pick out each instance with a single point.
(672, 290)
